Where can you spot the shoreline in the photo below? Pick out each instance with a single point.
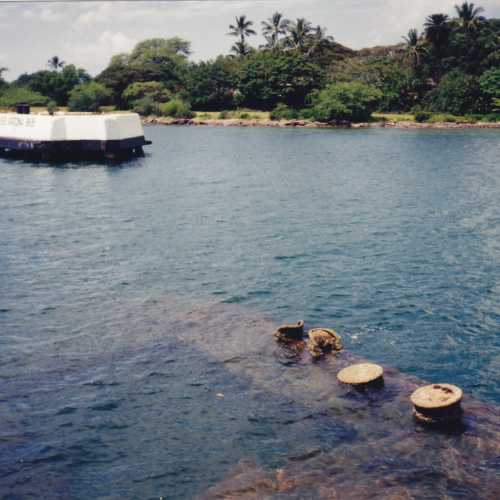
(265, 123)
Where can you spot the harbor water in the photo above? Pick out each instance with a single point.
(138, 302)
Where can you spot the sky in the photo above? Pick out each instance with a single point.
(87, 34)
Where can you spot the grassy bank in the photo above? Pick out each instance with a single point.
(256, 116)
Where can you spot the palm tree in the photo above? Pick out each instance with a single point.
(437, 30)
(299, 34)
(319, 41)
(241, 48)
(55, 63)
(414, 47)
(273, 28)
(468, 16)
(3, 69)
(242, 28)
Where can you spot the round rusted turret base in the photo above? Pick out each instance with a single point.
(286, 333)
(437, 403)
(361, 374)
(322, 341)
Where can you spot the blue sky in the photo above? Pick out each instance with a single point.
(88, 33)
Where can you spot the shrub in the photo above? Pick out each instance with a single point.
(457, 93)
(176, 108)
(474, 118)
(139, 90)
(244, 115)
(223, 115)
(443, 117)
(51, 107)
(492, 117)
(15, 95)
(306, 114)
(422, 116)
(283, 112)
(145, 106)
(346, 101)
(88, 97)
(490, 85)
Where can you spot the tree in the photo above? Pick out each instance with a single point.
(54, 84)
(469, 17)
(211, 85)
(268, 78)
(437, 34)
(242, 29)
(156, 91)
(299, 33)
(457, 93)
(174, 46)
(273, 28)
(153, 60)
(117, 77)
(241, 48)
(414, 48)
(88, 97)
(55, 63)
(490, 85)
(353, 102)
(319, 41)
(437, 30)
(3, 83)
(15, 95)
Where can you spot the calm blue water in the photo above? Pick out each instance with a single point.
(392, 237)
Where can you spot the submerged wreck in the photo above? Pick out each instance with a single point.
(71, 136)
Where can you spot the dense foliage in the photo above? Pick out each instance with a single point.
(88, 97)
(54, 84)
(268, 78)
(451, 66)
(347, 101)
(211, 85)
(14, 95)
(155, 60)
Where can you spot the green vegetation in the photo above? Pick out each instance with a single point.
(267, 78)
(451, 67)
(14, 95)
(283, 112)
(155, 91)
(88, 97)
(422, 116)
(353, 102)
(55, 84)
(176, 108)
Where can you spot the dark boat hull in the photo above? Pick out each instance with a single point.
(73, 149)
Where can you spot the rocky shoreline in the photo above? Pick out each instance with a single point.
(153, 120)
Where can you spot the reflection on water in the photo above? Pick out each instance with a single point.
(137, 307)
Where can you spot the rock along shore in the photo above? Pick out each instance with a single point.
(153, 120)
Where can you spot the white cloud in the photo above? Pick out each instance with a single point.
(106, 44)
(97, 13)
(45, 15)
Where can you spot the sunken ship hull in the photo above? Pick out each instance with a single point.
(71, 136)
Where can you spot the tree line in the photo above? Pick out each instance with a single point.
(451, 66)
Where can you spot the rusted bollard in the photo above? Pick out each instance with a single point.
(322, 341)
(290, 332)
(437, 403)
(362, 374)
